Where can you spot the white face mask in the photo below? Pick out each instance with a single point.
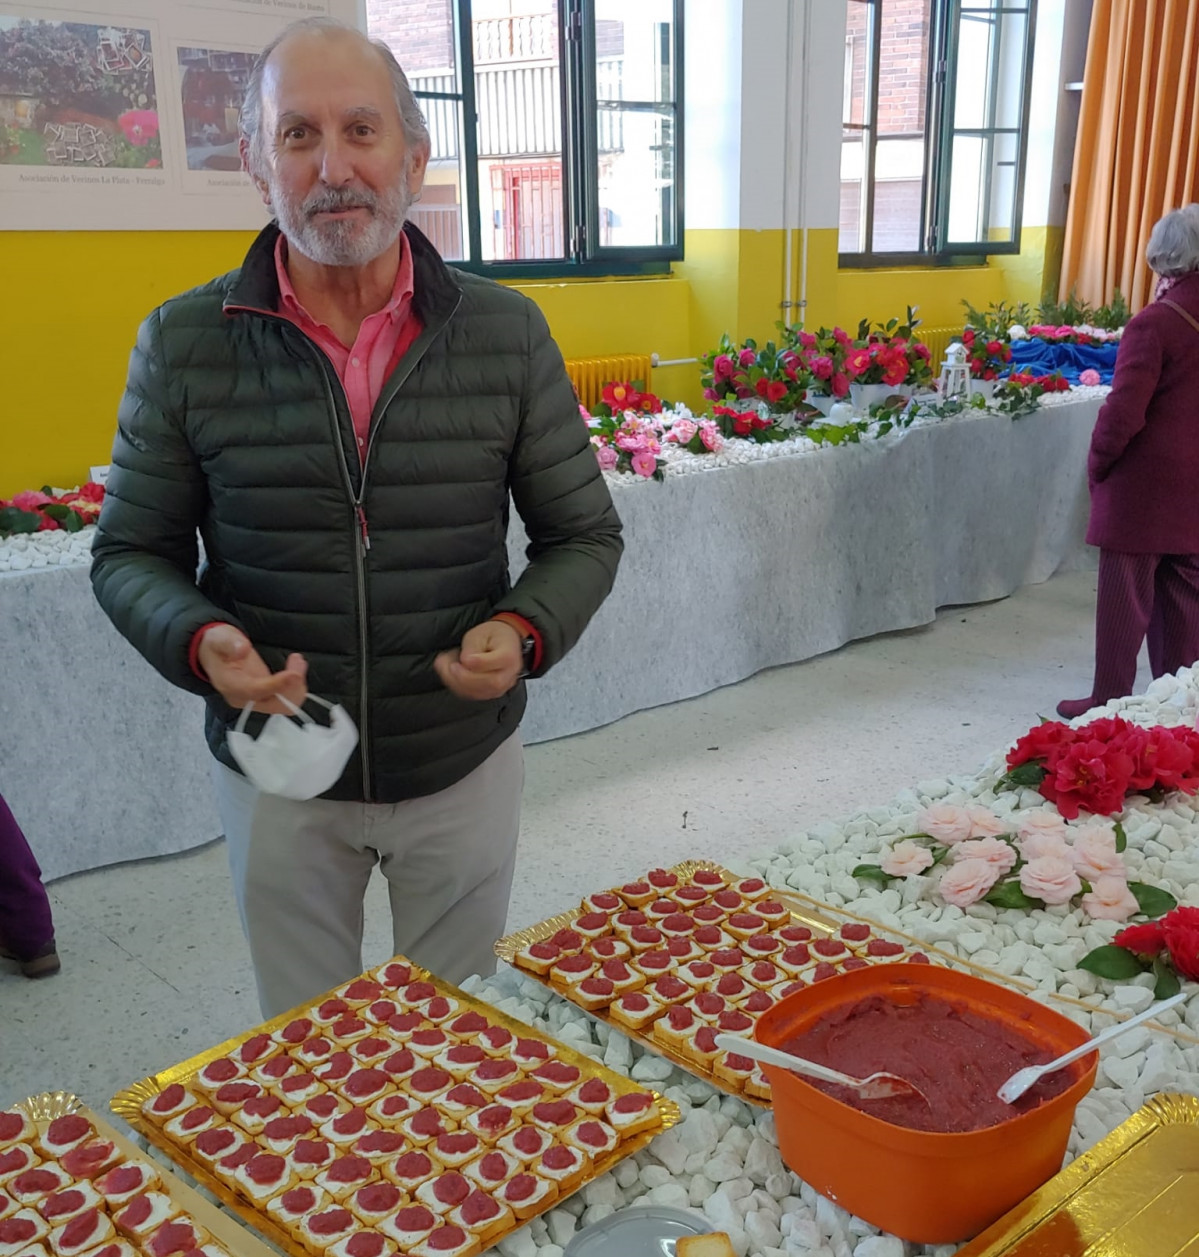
(297, 761)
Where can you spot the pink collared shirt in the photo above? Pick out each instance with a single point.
(383, 338)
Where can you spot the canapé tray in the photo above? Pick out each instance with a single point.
(392, 1045)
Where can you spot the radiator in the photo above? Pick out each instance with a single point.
(589, 375)
(937, 339)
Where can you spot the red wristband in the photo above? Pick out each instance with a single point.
(525, 629)
(193, 649)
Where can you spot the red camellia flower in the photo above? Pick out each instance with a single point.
(968, 338)
(1040, 743)
(1146, 942)
(743, 424)
(1181, 928)
(621, 396)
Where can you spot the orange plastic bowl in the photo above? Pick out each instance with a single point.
(919, 1185)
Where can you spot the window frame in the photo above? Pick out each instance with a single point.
(938, 252)
(585, 256)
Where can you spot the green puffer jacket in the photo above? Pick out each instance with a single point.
(234, 424)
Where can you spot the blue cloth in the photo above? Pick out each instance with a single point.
(1042, 357)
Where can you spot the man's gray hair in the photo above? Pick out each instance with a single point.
(1173, 247)
(412, 121)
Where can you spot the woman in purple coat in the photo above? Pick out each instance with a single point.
(1144, 476)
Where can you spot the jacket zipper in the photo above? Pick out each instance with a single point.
(363, 538)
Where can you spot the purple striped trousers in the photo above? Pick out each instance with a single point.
(25, 922)
(1153, 596)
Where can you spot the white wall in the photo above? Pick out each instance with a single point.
(712, 113)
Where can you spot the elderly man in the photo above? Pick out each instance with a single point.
(343, 419)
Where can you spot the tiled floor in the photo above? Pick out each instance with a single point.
(154, 967)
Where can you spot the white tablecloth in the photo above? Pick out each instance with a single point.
(725, 573)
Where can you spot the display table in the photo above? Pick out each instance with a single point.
(748, 566)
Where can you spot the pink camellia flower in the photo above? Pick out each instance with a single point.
(682, 430)
(905, 859)
(1046, 846)
(711, 437)
(607, 457)
(991, 850)
(140, 126)
(984, 823)
(1050, 879)
(1090, 377)
(1041, 823)
(967, 882)
(807, 340)
(1095, 856)
(839, 384)
(644, 463)
(30, 500)
(822, 367)
(1110, 900)
(946, 822)
(747, 357)
(841, 336)
(722, 366)
(710, 394)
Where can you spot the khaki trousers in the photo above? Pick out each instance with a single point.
(300, 871)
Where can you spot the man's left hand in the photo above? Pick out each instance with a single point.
(486, 665)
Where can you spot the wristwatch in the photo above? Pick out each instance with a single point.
(528, 651)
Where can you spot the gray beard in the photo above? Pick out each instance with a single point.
(348, 244)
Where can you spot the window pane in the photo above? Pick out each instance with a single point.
(636, 178)
(982, 194)
(853, 194)
(634, 50)
(987, 100)
(858, 46)
(902, 101)
(519, 133)
(419, 32)
(439, 212)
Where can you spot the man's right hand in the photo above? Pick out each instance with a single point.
(240, 675)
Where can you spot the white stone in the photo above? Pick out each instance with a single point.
(520, 1243)
(723, 1167)
(550, 1250)
(1133, 998)
(699, 1190)
(672, 1195)
(655, 1175)
(699, 1132)
(762, 1231)
(779, 1185)
(626, 1173)
(652, 1068)
(561, 1226)
(602, 1191)
(736, 1188)
(668, 1148)
(762, 1160)
(722, 1212)
(879, 1246)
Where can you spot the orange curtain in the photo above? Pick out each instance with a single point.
(1137, 152)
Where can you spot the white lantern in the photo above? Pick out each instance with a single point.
(955, 373)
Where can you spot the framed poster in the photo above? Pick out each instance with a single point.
(122, 115)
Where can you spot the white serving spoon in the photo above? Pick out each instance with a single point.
(879, 1086)
(1022, 1079)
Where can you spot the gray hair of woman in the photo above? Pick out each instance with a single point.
(412, 121)
(1173, 248)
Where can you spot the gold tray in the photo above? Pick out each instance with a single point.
(1135, 1194)
(820, 918)
(128, 1105)
(43, 1109)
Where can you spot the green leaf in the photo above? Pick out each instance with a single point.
(1009, 895)
(1029, 774)
(1153, 901)
(1112, 962)
(13, 519)
(940, 855)
(872, 873)
(73, 522)
(1121, 839)
(1166, 980)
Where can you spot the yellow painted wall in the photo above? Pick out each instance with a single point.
(74, 301)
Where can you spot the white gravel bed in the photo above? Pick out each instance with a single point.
(723, 1160)
(54, 548)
